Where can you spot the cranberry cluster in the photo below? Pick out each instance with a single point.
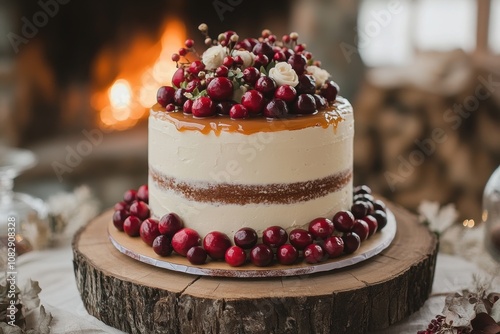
(439, 325)
(323, 239)
(243, 88)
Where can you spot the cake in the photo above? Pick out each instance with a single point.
(221, 174)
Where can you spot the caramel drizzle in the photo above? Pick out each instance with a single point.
(218, 124)
(241, 194)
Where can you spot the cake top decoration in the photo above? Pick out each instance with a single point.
(247, 78)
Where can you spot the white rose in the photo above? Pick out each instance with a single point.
(319, 74)
(213, 57)
(248, 57)
(284, 74)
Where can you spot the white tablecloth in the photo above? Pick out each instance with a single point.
(53, 269)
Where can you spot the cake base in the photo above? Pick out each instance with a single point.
(140, 298)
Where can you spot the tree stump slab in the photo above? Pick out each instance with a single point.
(139, 298)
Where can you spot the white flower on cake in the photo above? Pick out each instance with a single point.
(319, 74)
(284, 74)
(247, 56)
(214, 56)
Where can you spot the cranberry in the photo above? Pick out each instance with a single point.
(227, 35)
(196, 67)
(189, 43)
(266, 86)
(220, 89)
(321, 102)
(313, 253)
(179, 97)
(276, 108)
(286, 38)
(300, 238)
(379, 205)
(279, 56)
(183, 52)
(343, 221)
(304, 104)
(192, 85)
(238, 111)
(363, 189)
(216, 244)
(381, 218)
(363, 198)
(165, 95)
(261, 255)
(306, 85)
(361, 228)
(359, 209)
(334, 246)
(288, 53)
(222, 71)
(238, 61)
(140, 210)
(162, 245)
(352, 242)
(187, 107)
(287, 254)
(286, 93)
(119, 218)
(203, 107)
(235, 256)
(245, 238)
(271, 39)
(170, 224)
(143, 193)
(121, 206)
(149, 231)
(132, 226)
(170, 107)
(299, 48)
(372, 224)
(329, 90)
(321, 228)
(253, 100)
(228, 61)
(130, 196)
(178, 77)
(224, 107)
(371, 210)
(298, 63)
(196, 255)
(250, 75)
(260, 60)
(264, 48)
(184, 239)
(176, 57)
(274, 236)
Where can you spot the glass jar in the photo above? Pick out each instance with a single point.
(491, 214)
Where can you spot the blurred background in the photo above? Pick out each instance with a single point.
(77, 79)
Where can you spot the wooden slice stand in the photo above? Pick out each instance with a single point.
(140, 298)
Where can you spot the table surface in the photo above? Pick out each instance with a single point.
(53, 269)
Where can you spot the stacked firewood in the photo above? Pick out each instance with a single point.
(430, 131)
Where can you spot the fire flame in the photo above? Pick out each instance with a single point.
(133, 92)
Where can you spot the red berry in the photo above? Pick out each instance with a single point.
(250, 75)
(143, 193)
(119, 218)
(149, 231)
(279, 56)
(170, 107)
(304, 104)
(140, 210)
(363, 198)
(300, 238)
(238, 61)
(187, 107)
(361, 228)
(264, 48)
(329, 90)
(261, 255)
(224, 107)
(381, 218)
(216, 244)
(228, 61)
(245, 238)
(196, 67)
(220, 89)
(178, 77)
(286, 38)
(362, 189)
(334, 246)
(266, 86)
(372, 224)
(222, 71)
(313, 253)
(352, 242)
(203, 107)
(287, 254)
(121, 206)
(379, 205)
(298, 63)
(165, 95)
(253, 100)
(170, 224)
(321, 228)
(286, 93)
(162, 245)
(274, 236)
(196, 255)
(359, 209)
(260, 60)
(179, 97)
(306, 85)
(299, 48)
(321, 102)
(184, 239)
(183, 52)
(176, 57)
(235, 256)
(132, 226)
(192, 85)
(130, 196)
(271, 39)
(276, 108)
(238, 111)
(343, 221)
(189, 43)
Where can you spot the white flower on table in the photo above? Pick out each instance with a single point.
(284, 74)
(214, 56)
(319, 74)
(439, 219)
(248, 57)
